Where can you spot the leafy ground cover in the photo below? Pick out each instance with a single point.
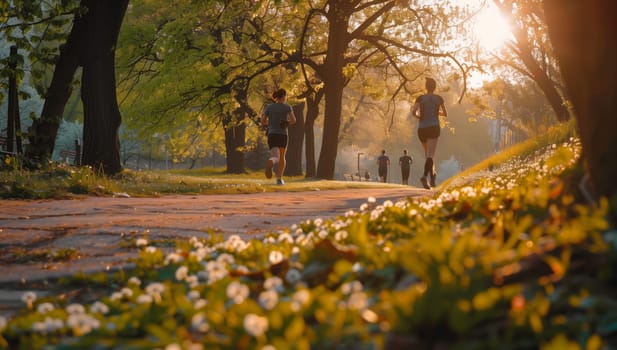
(64, 181)
(512, 259)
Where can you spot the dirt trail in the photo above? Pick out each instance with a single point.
(97, 229)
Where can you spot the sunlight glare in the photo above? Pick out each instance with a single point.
(492, 29)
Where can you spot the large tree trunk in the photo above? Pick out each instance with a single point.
(98, 87)
(90, 44)
(42, 133)
(583, 35)
(334, 82)
(235, 141)
(312, 112)
(296, 140)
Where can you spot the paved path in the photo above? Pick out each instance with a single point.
(99, 228)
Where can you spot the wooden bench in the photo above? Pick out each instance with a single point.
(68, 156)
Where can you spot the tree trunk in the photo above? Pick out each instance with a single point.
(235, 141)
(312, 112)
(334, 82)
(42, 133)
(296, 140)
(583, 36)
(539, 75)
(545, 84)
(98, 87)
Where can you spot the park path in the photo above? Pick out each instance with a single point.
(100, 228)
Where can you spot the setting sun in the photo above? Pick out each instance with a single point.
(491, 29)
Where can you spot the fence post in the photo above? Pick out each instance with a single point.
(77, 160)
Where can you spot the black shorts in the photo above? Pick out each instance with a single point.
(432, 132)
(277, 140)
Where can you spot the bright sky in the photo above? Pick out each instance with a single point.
(491, 28)
(492, 32)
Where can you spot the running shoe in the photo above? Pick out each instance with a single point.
(425, 182)
(280, 182)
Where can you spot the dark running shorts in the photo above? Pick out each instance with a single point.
(432, 132)
(277, 140)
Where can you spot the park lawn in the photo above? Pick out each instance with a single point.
(513, 258)
(64, 181)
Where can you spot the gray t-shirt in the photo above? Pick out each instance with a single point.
(429, 110)
(275, 113)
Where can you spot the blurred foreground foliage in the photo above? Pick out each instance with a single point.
(515, 259)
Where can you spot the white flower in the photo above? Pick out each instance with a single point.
(370, 316)
(340, 235)
(44, 308)
(50, 325)
(357, 301)
(226, 258)
(273, 282)
(82, 323)
(99, 308)
(126, 292)
(268, 347)
(300, 299)
(173, 258)
(242, 269)
(134, 280)
(28, 298)
(214, 271)
(285, 237)
(235, 243)
(192, 280)
(237, 292)
(255, 325)
(116, 296)
(371, 200)
(155, 288)
(275, 257)
(3, 323)
(268, 299)
(151, 250)
(193, 295)
(199, 322)
(140, 242)
(322, 234)
(144, 299)
(75, 309)
(292, 276)
(182, 273)
(351, 287)
(173, 346)
(200, 304)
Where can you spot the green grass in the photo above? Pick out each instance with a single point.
(556, 135)
(63, 181)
